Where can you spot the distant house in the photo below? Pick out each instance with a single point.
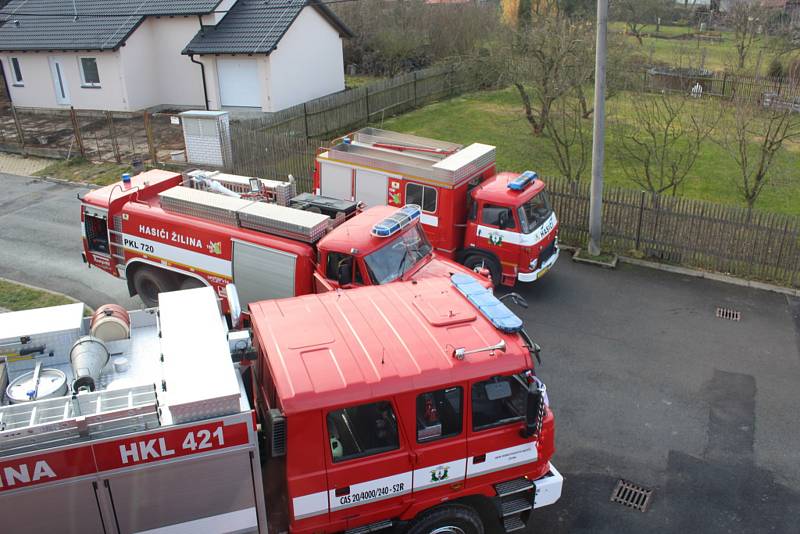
(127, 55)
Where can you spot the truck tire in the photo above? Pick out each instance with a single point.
(477, 261)
(449, 519)
(149, 282)
(191, 283)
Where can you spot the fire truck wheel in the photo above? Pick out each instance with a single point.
(150, 282)
(451, 519)
(476, 262)
(191, 283)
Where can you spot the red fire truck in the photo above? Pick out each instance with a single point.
(163, 231)
(502, 222)
(412, 405)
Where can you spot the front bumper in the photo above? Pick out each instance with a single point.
(548, 488)
(538, 273)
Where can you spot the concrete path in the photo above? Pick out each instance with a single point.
(21, 165)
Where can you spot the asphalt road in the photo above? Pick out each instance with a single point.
(646, 384)
(40, 242)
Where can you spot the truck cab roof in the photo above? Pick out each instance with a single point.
(496, 189)
(377, 341)
(356, 233)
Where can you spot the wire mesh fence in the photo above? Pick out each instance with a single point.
(97, 135)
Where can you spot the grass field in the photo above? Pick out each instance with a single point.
(663, 47)
(83, 170)
(495, 117)
(15, 297)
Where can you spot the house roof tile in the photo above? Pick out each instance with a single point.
(256, 26)
(83, 24)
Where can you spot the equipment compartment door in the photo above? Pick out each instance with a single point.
(336, 181)
(209, 495)
(262, 273)
(371, 188)
(64, 508)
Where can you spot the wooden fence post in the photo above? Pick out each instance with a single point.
(415, 88)
(148, 128)
(77, 130)
(113, 134)
(305, 119)
(639, 224)
(724, 83)
(18, 125)
(366, 101)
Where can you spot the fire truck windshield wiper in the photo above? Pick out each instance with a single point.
(402, 262)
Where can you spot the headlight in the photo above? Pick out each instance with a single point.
(533, 263)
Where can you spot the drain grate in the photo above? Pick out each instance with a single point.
(729, 313)
(631, 495)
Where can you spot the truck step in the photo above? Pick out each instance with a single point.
(513, 523)
(372, 527)
(516, 506)
(511, 487)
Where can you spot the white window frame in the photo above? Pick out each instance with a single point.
(84, 83)
(424, 187)
(16, 82)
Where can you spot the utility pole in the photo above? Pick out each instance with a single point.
(599, 131)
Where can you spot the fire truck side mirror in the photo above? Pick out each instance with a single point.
(534, 412)
(233, 304)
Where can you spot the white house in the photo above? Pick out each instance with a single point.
(127, 55)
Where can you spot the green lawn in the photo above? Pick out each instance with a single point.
(99, 173)
(719, 55)
(17, 297)
(495, 118)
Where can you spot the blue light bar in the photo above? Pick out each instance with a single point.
(482, 298)
(397, 221)
(522, 181)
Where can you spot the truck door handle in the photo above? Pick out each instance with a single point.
(340, 492)
(478, 459)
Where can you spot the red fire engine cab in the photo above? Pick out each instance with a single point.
(163, 231)
(412, 405)
(502, 222)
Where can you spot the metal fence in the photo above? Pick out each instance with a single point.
(705, 235)
(96, 135)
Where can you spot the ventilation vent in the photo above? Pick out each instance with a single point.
(276, 430)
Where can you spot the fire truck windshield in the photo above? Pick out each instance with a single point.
(534, 212)
(391, 261)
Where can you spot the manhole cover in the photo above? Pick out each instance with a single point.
(728, 313)
(631, 495)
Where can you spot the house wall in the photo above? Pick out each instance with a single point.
(154, 71)
(307, 64)
(39, 89)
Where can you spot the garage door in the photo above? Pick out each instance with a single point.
(239, 84)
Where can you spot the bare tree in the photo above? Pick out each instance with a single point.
(658, 149)
(545, 61)
(744, 17)
(755, 140)
(569, 134)
(637, 14)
